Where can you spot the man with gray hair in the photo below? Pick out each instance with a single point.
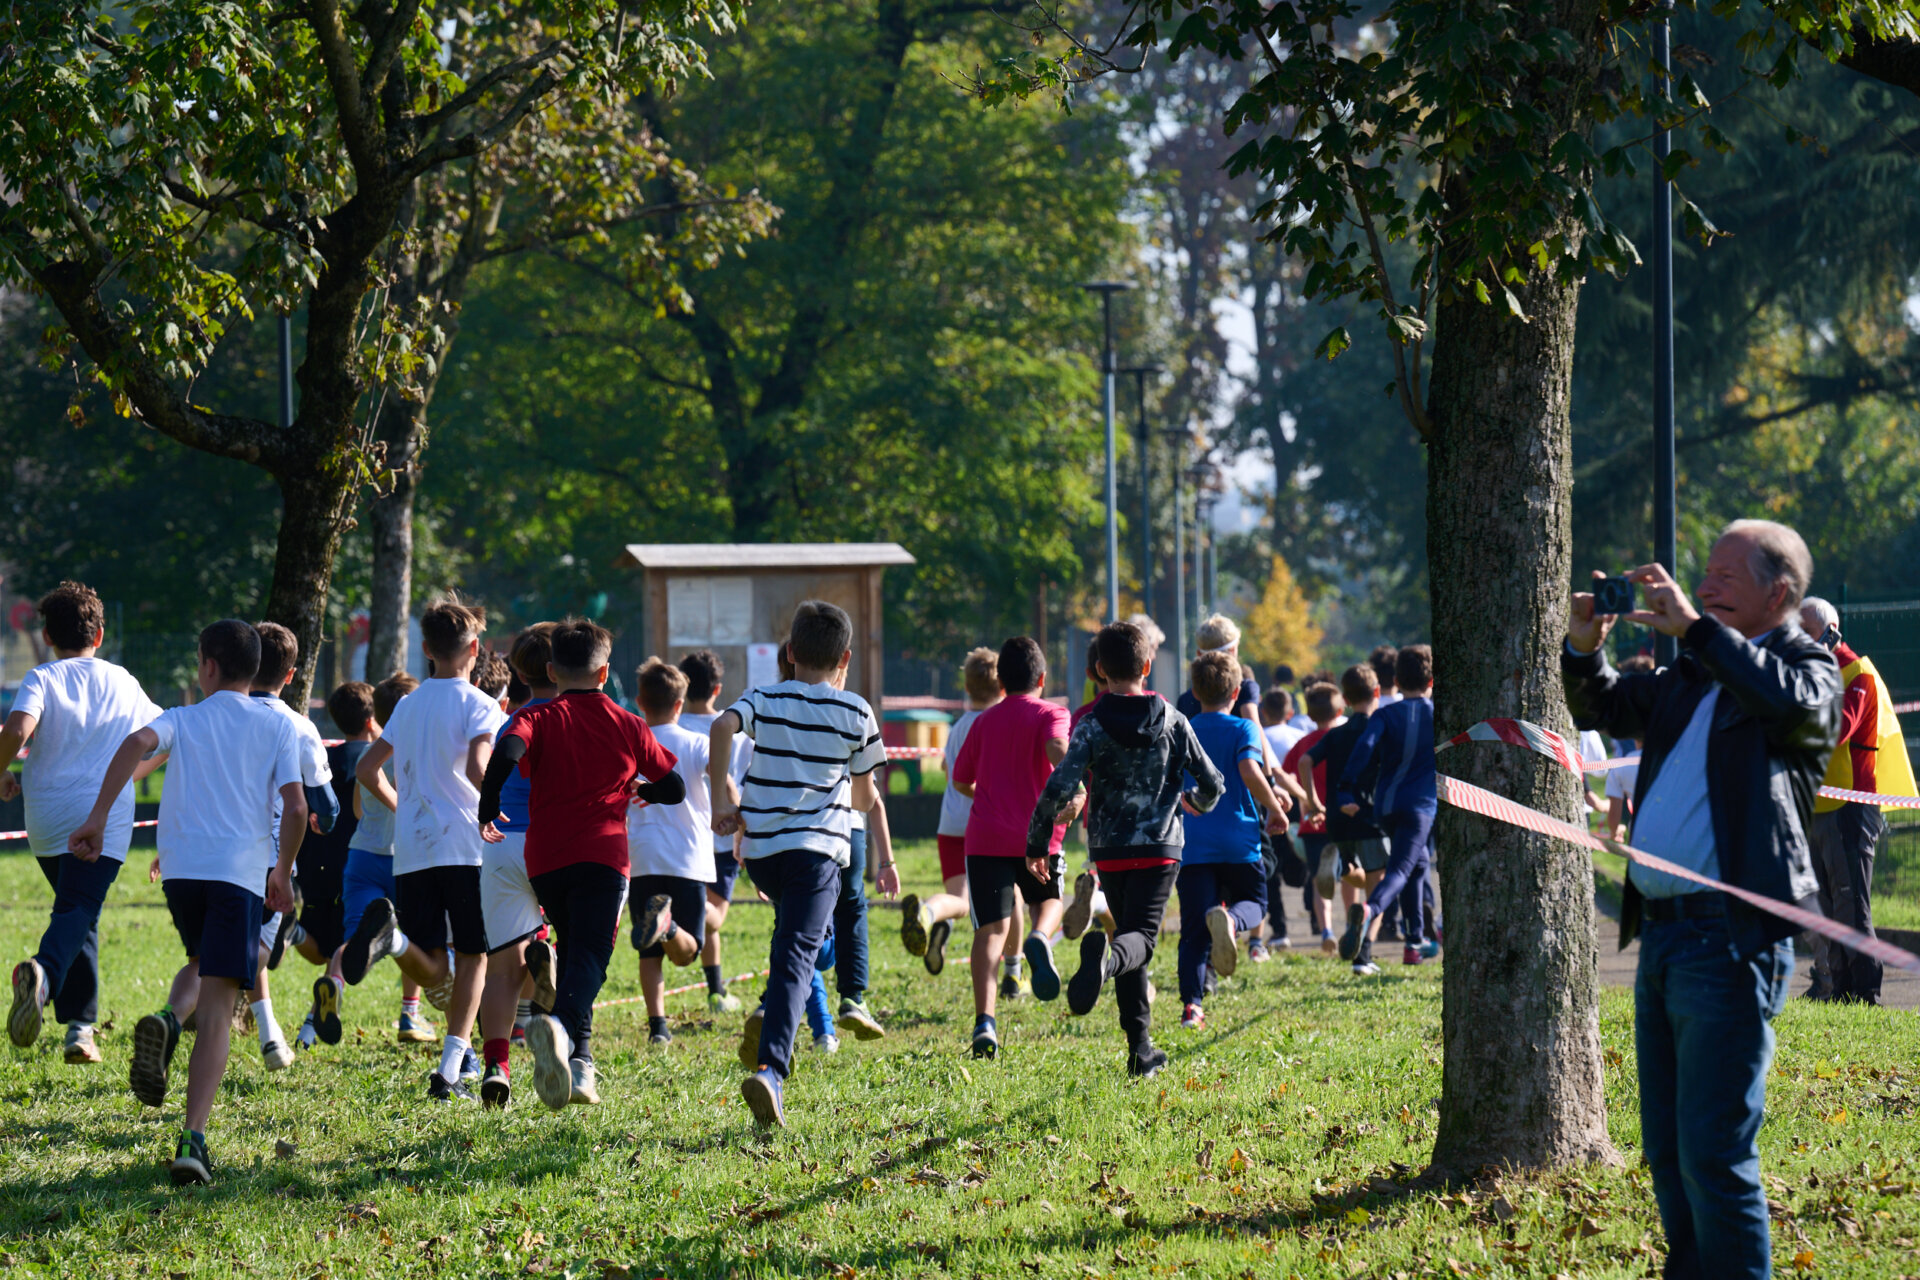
(1737, 732)
(1871, 756)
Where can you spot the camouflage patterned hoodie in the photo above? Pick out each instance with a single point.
(1135, 754)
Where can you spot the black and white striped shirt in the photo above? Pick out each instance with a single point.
(809, 742)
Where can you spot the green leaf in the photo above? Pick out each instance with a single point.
(1333, 344)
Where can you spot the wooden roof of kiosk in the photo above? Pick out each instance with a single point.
(737, 599)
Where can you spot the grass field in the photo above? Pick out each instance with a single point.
(1277, 1145)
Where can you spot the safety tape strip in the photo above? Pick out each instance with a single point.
(680, 991)
(1464, 795)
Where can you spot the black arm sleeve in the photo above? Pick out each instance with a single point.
(506, 756)
(671, 789)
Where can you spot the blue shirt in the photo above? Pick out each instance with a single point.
(1674, 820)
(1230, 831)
(517, 790)
(1401, 733)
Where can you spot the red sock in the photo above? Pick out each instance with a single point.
(495, 1053)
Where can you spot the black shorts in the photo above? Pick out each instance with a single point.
(322, 913)
(437, 902)
(689, 906)
(219, 925)
(725, 872)
(991, 883)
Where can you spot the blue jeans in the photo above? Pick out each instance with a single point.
(1703, 1029)
(804, 887)
(850, 922)
(1412, 839)
(70, 948)
(1240, 887)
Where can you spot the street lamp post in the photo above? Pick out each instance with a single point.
(1177, 437)
(1199, 476)
(1665, 540)
(1140, 374)
(1106, 289)
(286, 370)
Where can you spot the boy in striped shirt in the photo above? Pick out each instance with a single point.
(815, 752)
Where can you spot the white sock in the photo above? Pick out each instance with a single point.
(264, 1023)
(398, 947)
(452, 1053)
(523, 1013)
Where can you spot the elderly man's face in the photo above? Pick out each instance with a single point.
(1729, 591)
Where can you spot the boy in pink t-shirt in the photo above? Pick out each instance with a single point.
(1008, 756)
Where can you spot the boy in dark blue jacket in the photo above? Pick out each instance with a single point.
(1400, 738)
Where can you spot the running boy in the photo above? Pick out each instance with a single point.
(1223, 886)
(226, 755)
(1359, 846)
(704, 671)
(321, 872)
(583, 754)
(440, 739)
(1134, 752)
(78, 709)
(816, 748)
(1325, 705)
(1406, 798)
(925, 925)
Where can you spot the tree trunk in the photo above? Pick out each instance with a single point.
(313, 515)
(1522, 1082)
(390, 522)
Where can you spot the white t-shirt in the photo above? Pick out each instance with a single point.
(1620, 781)
(1281, 737)
(1593, 746)
(677, 839)
(1302, 721)
(702, 724)
(86, 707)
(809, 742)
(438, 821)
(1388, 699)
(955, 807)
(226, 755)
(314, 769)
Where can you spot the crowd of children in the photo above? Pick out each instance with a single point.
(487, 829)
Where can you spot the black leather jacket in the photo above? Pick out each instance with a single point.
(1773, 732)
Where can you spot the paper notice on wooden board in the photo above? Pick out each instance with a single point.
(763, 665)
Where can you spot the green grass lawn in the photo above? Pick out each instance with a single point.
(1275, 1146)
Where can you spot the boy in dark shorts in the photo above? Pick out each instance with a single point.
(321, 870)
(228, 758)
(1360, 845)
(704, 672)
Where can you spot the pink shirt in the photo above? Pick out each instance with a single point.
(1005, 760)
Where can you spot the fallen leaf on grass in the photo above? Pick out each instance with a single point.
(1803, 1260)
(1204, 1156)
(284, 1149)
(611, 1270)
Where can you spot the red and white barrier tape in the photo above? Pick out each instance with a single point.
(912, 753)
(679, 991)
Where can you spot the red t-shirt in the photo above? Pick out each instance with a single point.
(1859, 722)
(582, 751)
(1005, 760)
(1316, 825)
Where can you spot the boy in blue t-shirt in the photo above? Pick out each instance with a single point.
(1222, 882)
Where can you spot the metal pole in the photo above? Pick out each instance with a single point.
(1146, 499)
(1106, 289)
(286, 371)
(1665, 505)
(1179, 562)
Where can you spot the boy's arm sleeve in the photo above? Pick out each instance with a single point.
(1059, 789)
(506, 755)
(323, 805)
(871, 753)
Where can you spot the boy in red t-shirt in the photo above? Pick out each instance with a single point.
(1006, 760)
(1324, 707)
(584, 754)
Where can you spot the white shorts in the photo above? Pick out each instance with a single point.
(507, 901)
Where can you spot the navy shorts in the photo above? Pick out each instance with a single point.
(993, 881)
(219, 925)
(438, 903)
(725, 872)
(689, 905)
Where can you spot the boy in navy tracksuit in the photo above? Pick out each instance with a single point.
(1400, 737)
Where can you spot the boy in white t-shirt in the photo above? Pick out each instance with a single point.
(816, 750)
(78, 709)
(704, 672)
(440, 739)
(670, 848)
(226, 755)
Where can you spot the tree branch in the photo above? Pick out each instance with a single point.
(336, 54)
(472, 144)
(385, 52)
(478, 89)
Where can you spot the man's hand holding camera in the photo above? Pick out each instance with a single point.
(1663, 606)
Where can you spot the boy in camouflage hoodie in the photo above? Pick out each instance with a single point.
(1135, 752)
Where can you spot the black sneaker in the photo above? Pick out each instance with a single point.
(1356, 928)
(372, 940)
(441, 1089)
(1083, 989)
(652, 922)
(540, 969)
(936, 957)
(154, 1039)
(986, 1039)
(495, 1089)
(279, 948)
(326, 1009)
(1146, 1060)
(191, 1165)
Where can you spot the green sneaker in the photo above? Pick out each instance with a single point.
(722, 1002)
(857, 1018)
(191, 1164)
(915, 921)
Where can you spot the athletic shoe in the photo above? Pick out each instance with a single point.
(986, 1038)
(721, 1002)
(1146, 1061)
(552, 1077)
(584, 1083)
(1193, 1017)
(1226, 942)
(1357, 916)
(540, 969)
(1430, 948)
(654, 922)
(276, 1054)
(441, 1089)
(372, 941)
(750, 1038)
(915, 922)
(1411, 955)
(517, 1038)
(29, 998)
(1016, 986)
(440, 994)
(496, 1088)
(660, 1039)
(1079, 912)
(306, 1037)
(1328, 946)
(190, 1164)
(1281, 943)
(281, 937)
(155, 1037)
(854, 1016)
(1083, 990)
(1209, 981)
(80, 1048)
(414, 1029)
(1365, 969)
(1039, 956)
(1257, 952)
(762, 1092)
(470, 1065)
(828, 1043)
(936, 957)
(325, 1017)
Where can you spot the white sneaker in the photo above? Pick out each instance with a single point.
(1365, 969)
(1225, 956)
(275, 1052)
(551, 1047)
(1079, 913)
(827, 1043)
(584, 1081)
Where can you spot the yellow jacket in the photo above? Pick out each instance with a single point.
(1893, 774)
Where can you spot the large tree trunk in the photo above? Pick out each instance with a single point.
(1522, 1082)
(390, 522)
(313, 515)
